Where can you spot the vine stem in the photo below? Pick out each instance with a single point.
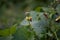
(54, 32)
(36, 37)
(56, 35)
(29, 22)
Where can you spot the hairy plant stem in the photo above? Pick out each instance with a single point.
(36, 37)
(54, 32)
(56, 36)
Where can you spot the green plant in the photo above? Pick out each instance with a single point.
(42, 20)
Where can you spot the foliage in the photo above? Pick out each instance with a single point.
(42, 23)
(8, 31)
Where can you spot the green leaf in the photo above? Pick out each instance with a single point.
(9, 31)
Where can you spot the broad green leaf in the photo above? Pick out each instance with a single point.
(9, 31)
